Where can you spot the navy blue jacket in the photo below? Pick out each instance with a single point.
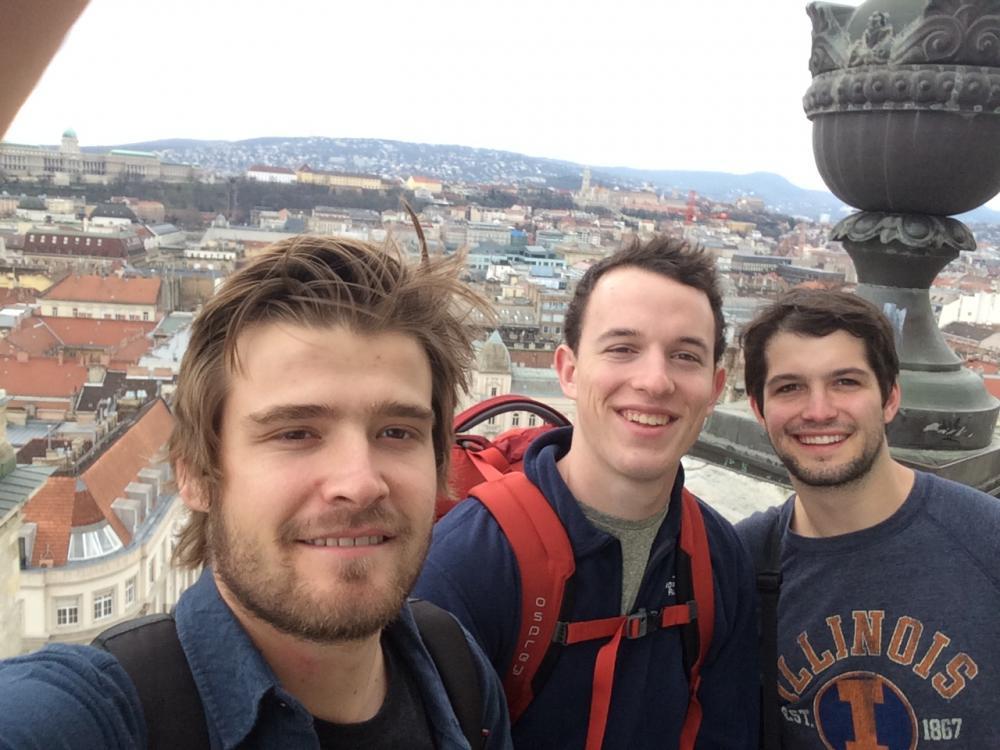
(80, 697)
(471, 571)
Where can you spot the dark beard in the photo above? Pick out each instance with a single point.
(848, 474)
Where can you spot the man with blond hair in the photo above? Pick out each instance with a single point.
(313, 417)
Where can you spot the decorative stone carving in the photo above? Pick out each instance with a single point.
(905, 105)
(913, 231)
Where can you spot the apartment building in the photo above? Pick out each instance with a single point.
(95, 540)
(105, 297)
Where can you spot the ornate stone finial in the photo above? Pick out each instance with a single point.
(874, 46)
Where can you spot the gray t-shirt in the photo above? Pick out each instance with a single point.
(890, 636)
(636, 539)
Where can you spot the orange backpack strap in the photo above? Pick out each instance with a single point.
(545, 562)
(694, 542)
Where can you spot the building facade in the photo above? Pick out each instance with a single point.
(67, 164)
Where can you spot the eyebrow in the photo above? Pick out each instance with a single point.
(623, 333)
(838, 373)
(304, 412)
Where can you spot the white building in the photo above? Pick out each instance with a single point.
(981, 308)
(95, 543)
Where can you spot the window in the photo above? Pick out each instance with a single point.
(145, 315)
(55, 310)
(130, 592)
(493, 390)
(152, 569)
(103, 605)
(76, 313)
(532, 420)
(87, 542)
(67, 611)
(515, 419)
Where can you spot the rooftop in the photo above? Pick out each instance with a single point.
(19, 485)
(93, 288)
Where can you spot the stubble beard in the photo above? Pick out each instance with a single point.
(275, 594)
(836, 475)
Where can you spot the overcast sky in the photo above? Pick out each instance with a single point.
(671, 84)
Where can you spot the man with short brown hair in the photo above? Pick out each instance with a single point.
(644, 338)
(890, 577)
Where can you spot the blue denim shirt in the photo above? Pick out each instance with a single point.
(68, 696)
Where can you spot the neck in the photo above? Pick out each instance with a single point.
(857, 505)
(342, 682)
(615, 495)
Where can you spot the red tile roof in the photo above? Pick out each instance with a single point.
(64, 502)
(98, 333)
(51, 510)
(41, 377)
(992, 385)
(32, 336)
(120, 463)
(17, 294)
(125, 291)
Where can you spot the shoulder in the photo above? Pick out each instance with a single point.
(756, 528)
(429, 632)
(943, 493)
(723, 540)
(970, 518)
(68, 691)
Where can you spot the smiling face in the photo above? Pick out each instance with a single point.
(823, 409)
(643, 378)
(327, 499)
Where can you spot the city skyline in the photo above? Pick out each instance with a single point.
(716, 87)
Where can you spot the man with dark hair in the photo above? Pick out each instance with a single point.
(890, 578)
(313, 425)
(644, 337)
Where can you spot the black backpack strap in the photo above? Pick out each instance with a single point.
(767, 562)
(151, 654)
(684, 592)
(445, 640)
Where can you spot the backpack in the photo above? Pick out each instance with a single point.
(546, 563)
(475, 459)
(151, 654)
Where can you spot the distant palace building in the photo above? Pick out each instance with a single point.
(67, 164)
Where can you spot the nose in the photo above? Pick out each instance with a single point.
(652, 375)
(819, 407)
(352, 472)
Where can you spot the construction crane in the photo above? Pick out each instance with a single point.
(692, 208)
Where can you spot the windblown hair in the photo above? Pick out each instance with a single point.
(811, 312)
(668, 256)
(316, 281)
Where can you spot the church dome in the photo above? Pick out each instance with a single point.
(493, 355)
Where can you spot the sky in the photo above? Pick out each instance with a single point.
(674, 84)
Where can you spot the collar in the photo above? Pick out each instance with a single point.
(540, 467)
(232, 681)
